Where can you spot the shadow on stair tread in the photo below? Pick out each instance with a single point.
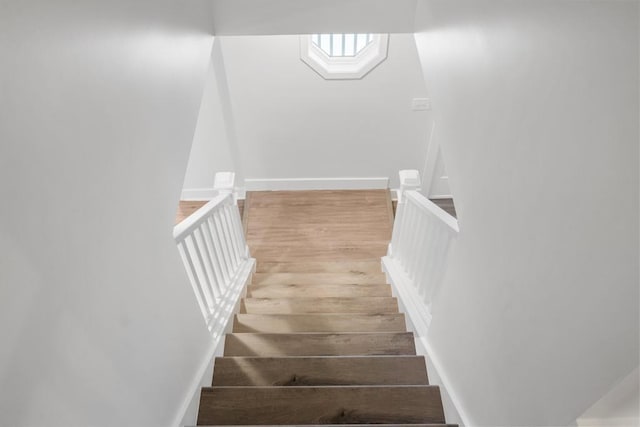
(319, 322)
(320, 371)
(320, 344)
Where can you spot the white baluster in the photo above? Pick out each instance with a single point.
(193, 275)
(226, 252)
(203, 251)
(421, 245)
(215, 262)
(217, 242)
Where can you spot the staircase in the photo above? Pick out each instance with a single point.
(319, 342)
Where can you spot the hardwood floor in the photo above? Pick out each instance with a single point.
(318, 225)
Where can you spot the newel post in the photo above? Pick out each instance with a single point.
(224, 183)
(409, 180)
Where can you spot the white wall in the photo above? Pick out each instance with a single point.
(291, 123)
(98, 322)
(211, 151)
(536, 105)
(619, 407)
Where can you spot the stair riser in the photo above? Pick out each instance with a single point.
(318, 279)
(355, 267)
(318, 291)
(365, 305)
(288, 323)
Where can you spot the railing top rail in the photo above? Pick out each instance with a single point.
(183, 229)
(433, 209)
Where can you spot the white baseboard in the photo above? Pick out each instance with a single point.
(188, 413)
(198, 194)
(418, 320)
(608, 422)
(285, 184)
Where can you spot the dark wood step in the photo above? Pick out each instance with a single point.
(370, 305)
(315, 291)
(319, 371)
(353, 425)
(320, 405)
(287, 323)
(320, 344)
(319, 278)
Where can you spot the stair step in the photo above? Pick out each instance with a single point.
(320, 405)
(320, 344)
(358, 267)
(319, 371)
(369, 305)
(350, 425)
(319, 278)
(287, 323)
(313, 251)
(306, 291)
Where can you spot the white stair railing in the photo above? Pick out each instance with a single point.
(216, 256)
(422, 240)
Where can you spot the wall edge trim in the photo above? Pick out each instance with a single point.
(285, 184)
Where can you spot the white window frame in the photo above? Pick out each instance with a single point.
(344, 67)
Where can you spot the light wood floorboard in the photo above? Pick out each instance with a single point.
(318, 225)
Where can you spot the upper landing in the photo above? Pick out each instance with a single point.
(318, 225)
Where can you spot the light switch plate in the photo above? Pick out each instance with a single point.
(421, 104)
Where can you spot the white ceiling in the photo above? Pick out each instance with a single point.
(270, 17)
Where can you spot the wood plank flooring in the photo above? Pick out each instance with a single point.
(318, 225)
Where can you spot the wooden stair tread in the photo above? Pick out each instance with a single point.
(332, 322)
(320, 371)
(320, 344)
(344, 250)
(319, 278)
(320, 405)
(351, 425)
(359, 267)
(328, 290)
(371, 305)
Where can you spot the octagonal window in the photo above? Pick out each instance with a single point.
(343, 56)
(337, 45)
